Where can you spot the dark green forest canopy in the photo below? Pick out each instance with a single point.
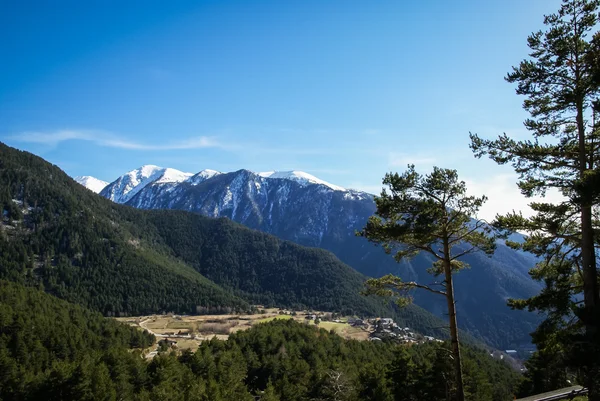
(53, 350)
(88, 251)
(42, 336)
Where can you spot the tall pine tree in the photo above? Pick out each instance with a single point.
(559, 82)
(431, 214)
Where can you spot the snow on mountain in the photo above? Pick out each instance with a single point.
(164, 180)
(172, 175)
(128, 185)
(300, 177)
(202, 176)
(91, 183)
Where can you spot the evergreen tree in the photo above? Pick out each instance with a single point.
(430, 214)
(269, 394)
(374, 384)
(561, 86)
(401, 375)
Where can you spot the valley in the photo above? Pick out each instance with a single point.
(300, 201)
(301, 208)
(187, 332)
(182, 333)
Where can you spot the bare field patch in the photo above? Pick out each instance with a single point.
(180, 325)
(220, 327)
(189, 331)
(185, 345)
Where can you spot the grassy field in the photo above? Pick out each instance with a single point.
(180, 325)
(345, 330)
(337, 327)
(268, 319)
(190, 331)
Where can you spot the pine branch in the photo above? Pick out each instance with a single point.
(424, 287)
(468, 251)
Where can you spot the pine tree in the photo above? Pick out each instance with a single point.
(269, 394)
(401, 374)
(429, 214)
(561, 86)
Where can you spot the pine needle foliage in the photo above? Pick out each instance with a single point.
(560, 82)
(428, 213)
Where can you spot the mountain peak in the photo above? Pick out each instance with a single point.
(147, 169)
(300, 177)
(91, 183)
(202, 176)
(172, 175)
(128, 185)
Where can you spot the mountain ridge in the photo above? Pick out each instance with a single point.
(60, 237)
(315, 215)
(292, 175)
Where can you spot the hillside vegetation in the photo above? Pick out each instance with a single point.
(317, 216)
(83, 249)
(76, 245)
(53, 350)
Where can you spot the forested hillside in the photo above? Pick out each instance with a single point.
(81, 248)
(53, 350)
(262, 268)
(121, 261)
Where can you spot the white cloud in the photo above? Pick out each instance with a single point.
(504, 196)
(52, 138)
(110, 140)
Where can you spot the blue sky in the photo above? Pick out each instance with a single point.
(344, 90)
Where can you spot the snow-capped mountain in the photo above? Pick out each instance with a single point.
(202, 176)
(302, 208)
(91, 183)
(128, 185)
(300, 177)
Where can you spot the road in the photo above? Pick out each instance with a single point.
(562, 394)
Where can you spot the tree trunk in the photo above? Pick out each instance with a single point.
(591, 297)
(460, 391)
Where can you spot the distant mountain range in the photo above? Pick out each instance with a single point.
(74, 244)
(297, 206)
